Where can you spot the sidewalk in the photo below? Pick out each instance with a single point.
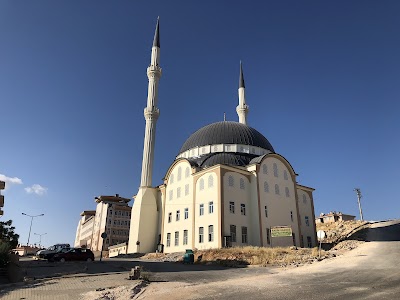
(66, 281)
(64, 287)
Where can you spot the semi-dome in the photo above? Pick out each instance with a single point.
(226, 132)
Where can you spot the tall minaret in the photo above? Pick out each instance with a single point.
(151, 112)
(242, 109)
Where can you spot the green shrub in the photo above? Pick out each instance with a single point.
(4, 254)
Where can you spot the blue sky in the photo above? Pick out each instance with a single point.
(322, 83)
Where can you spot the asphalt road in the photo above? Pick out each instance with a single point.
(368, 272)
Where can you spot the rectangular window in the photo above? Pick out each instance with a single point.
(233, 233)
(201, 209)
(211, 233)
(186, 213)
(307, 221)
(309, 244)
(244, 234)
(178, 215)
(201, 234)
(291, 216)
(185, 237)
(168, 239)
(268, 236)
(243, 209)
(171, 194)
(176, 238)
(210, 207)
(169, 217)
(232, 207)
(266, 211)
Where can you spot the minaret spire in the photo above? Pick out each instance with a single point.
(151, 112)
(241, 77)
(156, 41)
(242, 109)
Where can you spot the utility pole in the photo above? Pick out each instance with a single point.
(358, 192)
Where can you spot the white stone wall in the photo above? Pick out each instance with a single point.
(238, 194)
(206, 193)
(281, 207)
(306, 210)
(179, 196)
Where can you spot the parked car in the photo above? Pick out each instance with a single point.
(46, 253)
(74, 254)
(50, 256)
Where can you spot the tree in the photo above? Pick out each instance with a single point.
(8, 235)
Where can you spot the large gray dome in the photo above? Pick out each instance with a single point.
(226, 132)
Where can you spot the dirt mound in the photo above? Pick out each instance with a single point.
(340, 231)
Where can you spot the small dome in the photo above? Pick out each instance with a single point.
(228, 159)
(226, 132)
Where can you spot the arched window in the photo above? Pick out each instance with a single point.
(285, 175)
(210, 181)
(275, 170)
(179, 173)
(265, 169)
(241, 183)
(287, 192)
(266, 187)
(171, 178)
(304, 199)
(231, 181)
(276, 189)
(187, 172)
(201, 184)
(186, 189)
(178, 192)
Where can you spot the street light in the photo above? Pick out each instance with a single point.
(40, 238)
(29, 236)
(358, 192)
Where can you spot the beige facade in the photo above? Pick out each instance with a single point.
(2, 187)
(112, 216)
(334, 217)
(235, 206)
(84, 232)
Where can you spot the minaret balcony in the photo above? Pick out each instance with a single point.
(154, 71)
(151, 113)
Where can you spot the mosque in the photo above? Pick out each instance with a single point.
(227, 187)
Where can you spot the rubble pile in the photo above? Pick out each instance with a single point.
(339, 231)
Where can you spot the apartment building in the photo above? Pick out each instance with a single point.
(112, 217)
